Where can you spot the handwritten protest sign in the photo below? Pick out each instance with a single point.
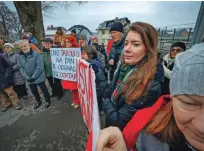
(64, 62)
(88, 101)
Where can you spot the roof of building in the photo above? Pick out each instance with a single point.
(51, 27)
(52, 32)
(79, 28)
(107, 24)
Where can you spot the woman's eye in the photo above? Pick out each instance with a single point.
(189, 103)
(126, 43)
(137, 45)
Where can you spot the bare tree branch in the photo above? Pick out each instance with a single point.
(48, 7)
(9, 22)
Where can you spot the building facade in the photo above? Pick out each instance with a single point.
(104, 28)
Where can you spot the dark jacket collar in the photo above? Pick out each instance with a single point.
(45, 50)
(120, 43)
(10, 54)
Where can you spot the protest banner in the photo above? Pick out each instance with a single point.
(64, 62)
(88, 101)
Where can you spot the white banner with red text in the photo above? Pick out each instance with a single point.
(88, 101)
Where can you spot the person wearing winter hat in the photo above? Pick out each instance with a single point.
(6, 85)
(32, 46)
(168, 63)
(116, 32)
(54, 83)
(175, 121)
(32, 39)
(18, 79)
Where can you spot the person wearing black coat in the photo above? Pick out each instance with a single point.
(138, 80)
(118, 38)
(120, 113)
(19, 85)
(168, 64)
(89, 53)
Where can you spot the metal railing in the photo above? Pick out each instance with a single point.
(168, 36)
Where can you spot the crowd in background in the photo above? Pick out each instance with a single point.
(155, 103)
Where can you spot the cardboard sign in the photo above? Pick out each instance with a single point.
(88, 100)
(64, 62)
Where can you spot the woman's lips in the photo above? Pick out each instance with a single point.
(128, 57)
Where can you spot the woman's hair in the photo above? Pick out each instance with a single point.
(163, 125)
(138, 82)
(59, 29)
(91, 52)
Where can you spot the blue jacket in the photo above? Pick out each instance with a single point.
(6, 78)
(31, 66)
(121, 113)
(101, 82)
(101, 53)
(146, 142)
(18, 78)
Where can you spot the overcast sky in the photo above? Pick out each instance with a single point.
(91, 14)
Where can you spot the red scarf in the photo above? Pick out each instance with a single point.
(139, 121)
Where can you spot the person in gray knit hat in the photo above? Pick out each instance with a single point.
(187, 76)
(178, 123)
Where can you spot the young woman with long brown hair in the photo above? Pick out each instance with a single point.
(174, 122)
(137, 81)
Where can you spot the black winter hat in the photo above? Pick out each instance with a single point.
(49, 40)
(118, 26)
(179, 44)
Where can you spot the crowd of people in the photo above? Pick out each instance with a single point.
(150, 104)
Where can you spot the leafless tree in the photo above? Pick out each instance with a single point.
(16, 25)
(31, 14)
(5, 19)
(10, 26)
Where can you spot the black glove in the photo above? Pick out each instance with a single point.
(30, 79)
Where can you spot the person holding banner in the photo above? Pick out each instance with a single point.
(71, 42)
(89, 53)
(54, 83)
(137, 81)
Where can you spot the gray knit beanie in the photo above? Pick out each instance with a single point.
(188, 73)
